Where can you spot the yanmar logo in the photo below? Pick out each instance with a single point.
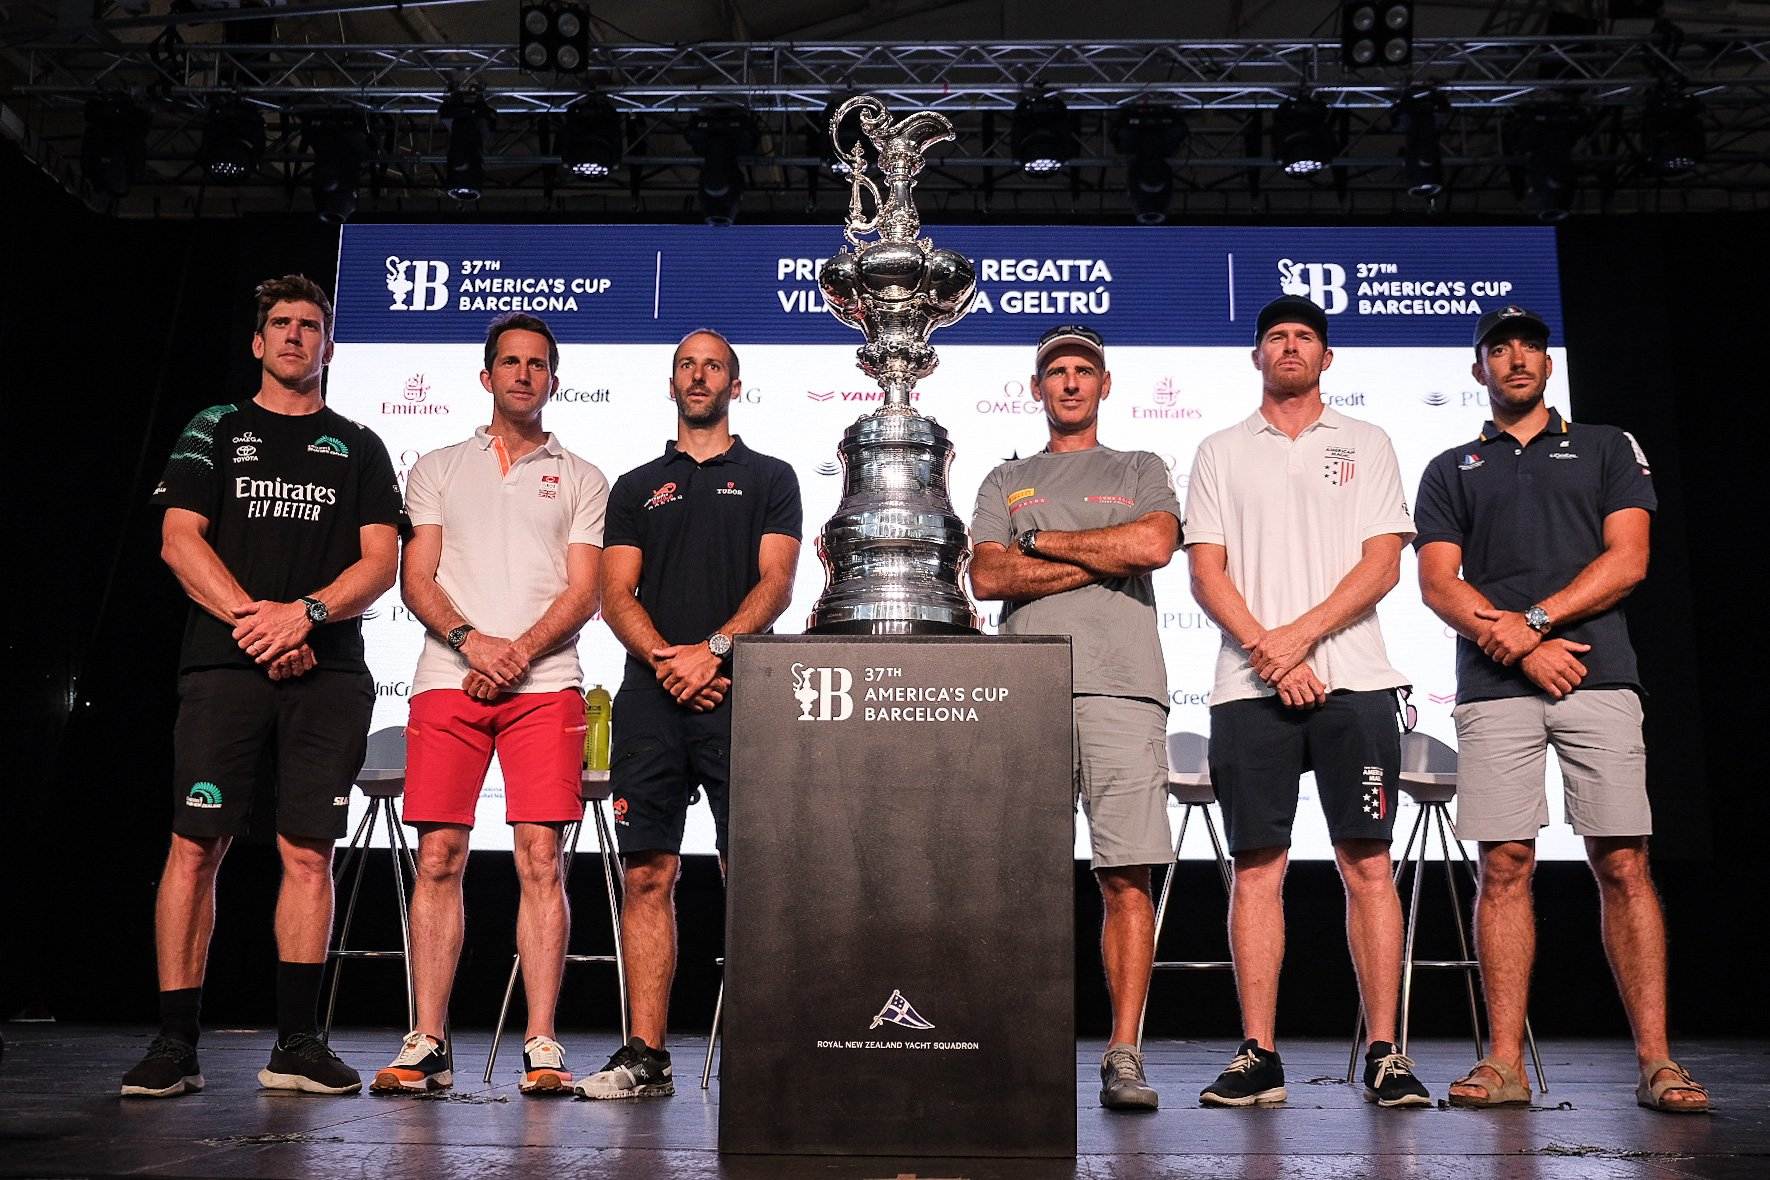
(414, 399)
(854, 395)
(417, 284)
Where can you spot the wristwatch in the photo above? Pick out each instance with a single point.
(1029, 542)
(719, 644)
(316, 611)
(458, 635)
(1537, 619)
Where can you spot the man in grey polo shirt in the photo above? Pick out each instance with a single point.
(1067, 539)
(1530, 536)
(1295, 520)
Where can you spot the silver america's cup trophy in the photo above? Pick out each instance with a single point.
(895, 551)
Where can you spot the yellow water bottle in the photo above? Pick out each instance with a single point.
(598, 712)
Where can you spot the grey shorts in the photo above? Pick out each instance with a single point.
(1121, 779)
(1502, 750)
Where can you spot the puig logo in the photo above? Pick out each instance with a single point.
(822, 693)
(1322, 283)
(417, 285)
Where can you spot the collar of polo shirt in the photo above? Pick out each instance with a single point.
(1331, 418)
(551, 445)
(737, 452)
(1557, 425)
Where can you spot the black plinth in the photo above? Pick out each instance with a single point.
(899, 963)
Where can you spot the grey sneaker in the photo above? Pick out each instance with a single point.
(1122, 1084)
(635, 1071)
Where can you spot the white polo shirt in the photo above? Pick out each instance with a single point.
(505, 530)
(1294, 516)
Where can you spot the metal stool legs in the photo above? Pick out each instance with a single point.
(1161, 909)
(1434, 819)
(404, 868)
(713, 1036)
(605, 843)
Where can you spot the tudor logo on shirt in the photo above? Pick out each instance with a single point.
(549, 487)
(664, 495)
(1339, 464)
(730, 489)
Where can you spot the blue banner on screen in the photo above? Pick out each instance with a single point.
(1176, 306)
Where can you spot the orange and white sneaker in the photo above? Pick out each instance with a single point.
(422, 1065)
(543, 1068)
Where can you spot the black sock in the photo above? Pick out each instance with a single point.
(298, 999)
(178, 1014)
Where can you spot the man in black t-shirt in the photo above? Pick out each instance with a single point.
(1530, 537)
(700, 545)
(282, 525)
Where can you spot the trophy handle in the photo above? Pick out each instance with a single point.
(858, 222)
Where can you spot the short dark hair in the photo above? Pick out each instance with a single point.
(290, 289)
(719, 336)
(521, 321)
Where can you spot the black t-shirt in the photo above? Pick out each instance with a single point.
(699, 527)
(285, 496)
(1528, 519)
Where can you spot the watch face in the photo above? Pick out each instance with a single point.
(719, 644)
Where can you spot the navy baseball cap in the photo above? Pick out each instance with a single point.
(1511, 318)
(1291, 309)
(1069, 336)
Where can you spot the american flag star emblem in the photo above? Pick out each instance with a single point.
(1374, 803)
(1338, 471)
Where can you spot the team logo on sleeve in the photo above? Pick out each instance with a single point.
(1640, 455)
(205, 795)
(1470, 462)
(664, 495)
(1338, 465)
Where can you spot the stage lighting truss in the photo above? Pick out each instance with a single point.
(1228, 92)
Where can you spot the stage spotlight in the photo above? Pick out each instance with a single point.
(339, 141)
(592, 138)
(1376, 34)
(1147, 135)
(720, 136)
(1419, 114)
(113, 149)
(233, 140)
(1542, 136)
(1302, 140)
(1043, 136)
(1672, 134)
(553, 36)
(468, 118)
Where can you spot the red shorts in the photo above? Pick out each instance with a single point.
(539, 739)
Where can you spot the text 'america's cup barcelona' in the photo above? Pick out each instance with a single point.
(894, 552)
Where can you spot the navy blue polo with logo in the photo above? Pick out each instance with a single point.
(700, 528)
(1529, 517)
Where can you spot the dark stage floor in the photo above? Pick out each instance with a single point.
(60, 1116)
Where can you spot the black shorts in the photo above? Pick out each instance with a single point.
(662, 753)
(238, 730)
(1259, 748)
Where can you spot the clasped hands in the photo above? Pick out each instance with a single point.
(1551, 664)
(1277, 657)
(275, 635)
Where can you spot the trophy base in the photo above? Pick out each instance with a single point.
(898, 627)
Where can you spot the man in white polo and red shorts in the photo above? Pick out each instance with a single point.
(501, 569)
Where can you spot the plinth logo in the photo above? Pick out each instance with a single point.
(898, 1010)
(823, 693)
(417, 284)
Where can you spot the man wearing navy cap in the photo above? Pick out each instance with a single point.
(1530, 536)
(1295, 519)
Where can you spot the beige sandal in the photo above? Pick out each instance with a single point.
(1510, 1092)
(1652, 1094)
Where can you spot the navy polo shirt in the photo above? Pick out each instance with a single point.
(1529, 518)
(699, 527)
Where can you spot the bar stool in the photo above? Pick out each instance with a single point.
(382, 780)
(713, 1034)
(596, 791)
(1429, 776)
(1189, 782)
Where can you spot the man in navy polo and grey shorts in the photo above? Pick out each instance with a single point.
(1295, 520)
(701, 545)
(1068, 539)
(1530, 536)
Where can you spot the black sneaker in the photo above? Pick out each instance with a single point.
(1122, 1084)
(1389, 1077)
(169, 1069)
(308, 1064)
(635, 1071)
(421, 1065)
(1254, 1078)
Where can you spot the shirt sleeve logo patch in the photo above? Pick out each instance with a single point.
(1015, 497)
(1470, 462)
(1640, 455)
(664, 495)
(325, 444)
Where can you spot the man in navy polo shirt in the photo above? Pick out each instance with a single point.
(700, 545)
(1548, 524)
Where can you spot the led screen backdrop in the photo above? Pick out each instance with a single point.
(1175, 304)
